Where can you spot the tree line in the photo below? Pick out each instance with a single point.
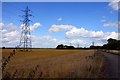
(112, 44)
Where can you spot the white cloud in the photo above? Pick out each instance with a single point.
(113, 35)
(10, 38)
(50, 42)
(1, 26)
(99, 44)
(58, 28)
(34, 26)
(11, 27)
(81, 32)
(114, 5)
(3, 31)
(46, 41)
(97, 34)
(77, 32)
(59, 19)
(11, 35)
(76, 42)
(103, 20)
(111, 24)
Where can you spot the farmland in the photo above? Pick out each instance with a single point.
(53, 63)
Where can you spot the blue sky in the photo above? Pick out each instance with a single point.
(92, 16)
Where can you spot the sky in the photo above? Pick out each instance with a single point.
(53, 23)
(56, 0)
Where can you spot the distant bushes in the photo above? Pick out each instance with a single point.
(61, 46)
(3, 47)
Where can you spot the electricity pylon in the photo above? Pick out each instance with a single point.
(25, 39)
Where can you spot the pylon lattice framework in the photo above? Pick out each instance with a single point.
(25, 39)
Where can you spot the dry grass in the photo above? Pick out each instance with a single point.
(113, 51)
(52, 63)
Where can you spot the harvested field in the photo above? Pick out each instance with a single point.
(52, 63)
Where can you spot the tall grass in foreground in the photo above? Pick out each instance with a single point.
(73, 66)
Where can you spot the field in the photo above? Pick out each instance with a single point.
(52, 63)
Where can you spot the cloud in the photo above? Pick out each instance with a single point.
(103, 20)
(58, 28)
(1, 26)
(81, 32)
(111, 24)
(50, 42)
(11, 38)
(34, 26)
(11, 27)
(59, 19)
(76, 32)
(114, 5)
(113, 35)
(46, 41)
(11, 35)
(76, 42)
(85, 42)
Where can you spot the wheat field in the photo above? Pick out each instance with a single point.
(53, 63)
